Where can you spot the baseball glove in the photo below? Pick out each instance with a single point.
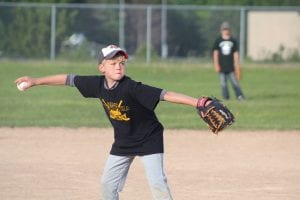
(214, 113)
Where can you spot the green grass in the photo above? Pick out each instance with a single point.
(272, 92)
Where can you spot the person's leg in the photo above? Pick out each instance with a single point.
(237, 89)
(224, 88)
(156, 177)
(114, 176)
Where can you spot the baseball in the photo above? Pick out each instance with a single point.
(22, 86)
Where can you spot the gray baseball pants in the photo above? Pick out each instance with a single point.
(116, 170)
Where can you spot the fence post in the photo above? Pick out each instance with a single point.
(53, 27)
(149, 22)
(164, 45)
(242, 33)
(121, 25)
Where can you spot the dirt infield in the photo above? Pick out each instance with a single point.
(66, 164)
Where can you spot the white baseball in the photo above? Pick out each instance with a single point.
(21, 86)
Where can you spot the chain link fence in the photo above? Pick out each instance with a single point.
(78, 31)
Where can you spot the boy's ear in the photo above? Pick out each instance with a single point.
(101, 68)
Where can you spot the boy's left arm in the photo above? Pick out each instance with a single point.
(178, 98)
(237, 65)
(214, 113)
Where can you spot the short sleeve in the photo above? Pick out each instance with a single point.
(88, 86)
(216, 45)
(147, 96)
(235, 46)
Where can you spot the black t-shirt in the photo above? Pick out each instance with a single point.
(226, 49)
(130, 109)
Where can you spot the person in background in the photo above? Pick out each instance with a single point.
(226, 62)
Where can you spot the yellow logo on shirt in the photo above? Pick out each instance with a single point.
(115, 110)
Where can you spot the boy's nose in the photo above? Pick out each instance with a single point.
(117, 66)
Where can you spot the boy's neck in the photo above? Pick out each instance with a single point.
(226, 36)
(110, 84)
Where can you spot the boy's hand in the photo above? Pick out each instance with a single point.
(217, 68)
(238, 73)
(29, 82)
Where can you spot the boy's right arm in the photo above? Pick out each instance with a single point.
(47, 80)
(216, 61)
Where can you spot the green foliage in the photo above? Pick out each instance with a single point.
(283, 55)
(180, 2)
(182, 41)
(65, 20)
(77, 53)
(272, 103)
(239, 2)
(294, 56)
(278, 56)
(27, 32)
(141, 53)
(101, 26)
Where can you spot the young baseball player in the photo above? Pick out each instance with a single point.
(130, 106)
(226, 62)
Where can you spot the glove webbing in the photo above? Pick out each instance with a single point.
(215, 118)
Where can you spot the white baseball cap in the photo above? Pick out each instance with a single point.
(109, 52)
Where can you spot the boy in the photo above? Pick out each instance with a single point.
(129, 106)
(226, 62)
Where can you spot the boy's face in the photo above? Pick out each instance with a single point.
(225, 31)
(113, 69)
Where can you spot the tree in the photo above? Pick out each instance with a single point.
(184, 36)
(27, 30)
